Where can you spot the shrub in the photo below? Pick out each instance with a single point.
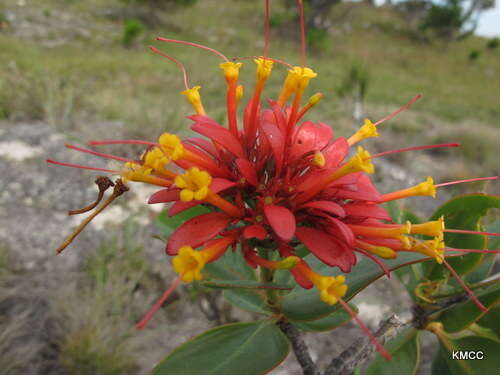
(474, 55)
(131, 30)
(493, 43)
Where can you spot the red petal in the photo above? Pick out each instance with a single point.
(255, 231)
(275, 139)
(367, 210)
(180, 206)
(164, 195)
(310, 137)
(279, 115)
(336, 152)
(340, 230)
(329, 251)
(197, 230)
(204, 145)
(303, 281)
(221, 184)
(327, 206)
(221, 136)
(247, 170)
(281, 220)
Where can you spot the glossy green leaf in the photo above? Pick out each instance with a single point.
(405, 351)
(462, 315)
(167, 224)
(240, 348)
(249, 300)
(444, 363)
(492, 319)
(463, 212)
(482, 271)
(304, 305)
(328, 323)
(242, 284)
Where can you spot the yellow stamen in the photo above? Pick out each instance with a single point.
(360, 162)
(367, 130)
(194, 184)
(268, 200)
(424, 188)
(194, 98)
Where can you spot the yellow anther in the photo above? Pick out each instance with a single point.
(264, 68)
(231, 70)
(366, 131)
(331, 288)
(431, 228)
(171, 145)
(194, 184)
(193, 97)
(319, 159)
(315, 99)
(239, 93)
(268, 200)
(433, 248)
(259, 218)
(189, 263)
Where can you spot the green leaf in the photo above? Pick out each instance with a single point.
(482, 271)
(444, 363)
(240, 348)
(248, 300)
(242, 284)
(462, 315)
(491, 319)
(167, 224)
(328, 323)
(231, 266)
(405, 351)
(463, 212)
(304, 304)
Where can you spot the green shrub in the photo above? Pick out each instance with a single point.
(474, 55)
(131, 30)
(493, 43)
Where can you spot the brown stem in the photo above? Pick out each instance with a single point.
(299, 348)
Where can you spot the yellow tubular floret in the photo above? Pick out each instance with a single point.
(189, 263)
(297, 80)
(194, 184)
(193, 97)
(360, 162)
(315, 99)
(331, 288)
(172, 146)
(366, 131)
(424, 188)
(264, 68)
(431, 228)
(231, 70)
(239, 93)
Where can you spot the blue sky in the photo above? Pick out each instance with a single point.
(489, 23)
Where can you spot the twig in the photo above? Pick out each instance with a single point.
(299, 348)
(361, 350)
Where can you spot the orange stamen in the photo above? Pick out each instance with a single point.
(396, 112)
(179, 64)
(221, 55)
